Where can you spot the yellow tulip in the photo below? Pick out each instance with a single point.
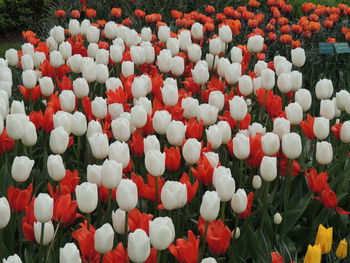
(342, 250)
(324, 239)
(313, 254)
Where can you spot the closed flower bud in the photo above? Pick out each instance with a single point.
(56, 59)
(324, 89)
(116, 53)
(5, 212)
(127, 196)
(84, 26)
(151, 143)
(224, 183)
(164, 61)
(119, 151)
(170, 95)
(345, 132)
(217, 99)
(102, 56)
(16, 106)
(174, 195)
(155, 162)
(138, 55)
(291, 145)
(177, 66)
(245, 85)
(102, 73)
(238, 108)
(163, 33)
(99, 145)
(209, 260)
(172, 44)
(236, 55)
(270, 143)
(115, 110)
(89, 70)
(139, 87)
(208, 113)
(281, 126)
(29, 134)
(79, 124)
(233, 72)
(210, 206)
(121, 129)
(283, 67)
(327, 109)
(342, 249)
(48, 232)
(55, 167)
(27, 62)
(223, 63)
(59, 140)
(12, 259)
(111, 30)
(298, 57)
(63, 119)
(255, 44)
(46, 86)
(175, 132)
(284, 82)
(241, 146)
(87, 197)
(67, 100)
(239, 201)
(214, 46)
(161, 232)
(94, 174)
(255, 128)
(138, 116)
(118, 220)
(259, 67)
(225, 34)
(51, 44)
(15, 125)
(267, 79)
(324, 153)
(294, 113)
(197, 30)
(30, 78)
(256, 182)
(74, 27)
(161, 120)
(214, 136)
(341, 98)
(58, 34)
(139, 247)
(12, 57)
(43, 208)
(93, 127)
(65, 49)
(92, 34)
(191, 151)
(303, 98)
(99, 107)
(111, 173)
(225, 130)
(190, 106)
(321, 128)
(268, 168)
(104, 238)
(194, 53)
(200, 73)
(277, 218)
(70, 254)
(127, 68)
(324, 239)
(74, 62)
(297, 78)
(146, 34)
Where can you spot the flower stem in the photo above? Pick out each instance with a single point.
(156, 207)
(41, 240)
(158, 255)
(52, 243)
(101, 258)
(203, 238)
(109, 204)
(126, 228)
(265, 192)
(88, 219)
(289, 181)
(222, 211)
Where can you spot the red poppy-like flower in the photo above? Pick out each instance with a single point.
(136, 143)
(28, 222)
(218, 235)
(276, 257)
(116, 12)
(308, 126)
(6, 143)
(86, 242)
(119, 254)
(317, 181)
(19, 199)
(60, 13)
(136, 220)
(204, 172)
(65, 210)
(194, 128)
(172, 158)
(191, 188)
(186, 251)
(248, 210)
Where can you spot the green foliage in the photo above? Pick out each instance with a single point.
(5, 47)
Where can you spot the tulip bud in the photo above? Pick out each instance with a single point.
(191, 151)
(46, 86)
(56, 59)
(277, 218)
(190, 106)
(256, 182)
(174, 195)
(43, 208)
(16, 106)
(164, 61)
(268, 168)
(238, 108)
(214, 136)
(172, 44)
(225, 131)
(74, 27)
(121, 129)
(245, 85)
(84, 26)
(303, 98)
(116, 53)
(155, 162)
(70, 254)
(270, 143)
(138, 116)
(102, 73)
(161, 120)
(239, 201)
(138, 55)
(94, 174)
(27, 62)
(236, 55)
(200, 73)
(21, 168)
(115, 110)
(297, 78)
(170, 95)
(194, 53)
(138, 87)
(233, 72)
(161, 232)
(65, 49)
(259, 67)
(146, 34)
(327, 109)
(104, 238)
(39, 57)
(255, 44)
(92, 34)
(342, 249)
(67, 100)
(58, 34)
(281, 126)
(5, 212)
(208, 113)
(267, 79)
(197, 31)
(241, 146)
(291, 145)
(324, 153)
(324, 89)
(223, 63)
(99, 107)
(298, 57)
(217, 99)
(224, 183)
(48, 232)
(341, 98)
(30, 78)
(139, 247)
(59, 139)
(209, 260)
(99, 145)
(345, 132)
(210, 206)
(15, 125)
(111, 173)
(12, 259)
(127, 196)
(177, 66)
(87, 197)
(284, 82)
(163, 33)
(118, 220)
(12, 57)
(236, 233)
(175, 132)
(127, 68)
(294, 113)
(321, 128)
(29, 134)
(56, 167)
(225, 34)
(324, 239)
(63, 119)
(79, 124)
(119, 151)
(256, 128)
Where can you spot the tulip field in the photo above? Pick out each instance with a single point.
(144, 131)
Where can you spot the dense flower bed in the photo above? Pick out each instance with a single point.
(189, 141)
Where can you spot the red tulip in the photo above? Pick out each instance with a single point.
(6, 143)
(65, 210)
(172, 158)
(308, 126)
(85, 239)
(19, 199)
(27, 222)
(317, 182)
(204, 172)
(194, 129)
(276, 257)
(186, 251)
(136, 143)
(191, 188)
(119, 254)
(137, 220)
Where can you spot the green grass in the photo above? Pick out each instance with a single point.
(5, 47)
